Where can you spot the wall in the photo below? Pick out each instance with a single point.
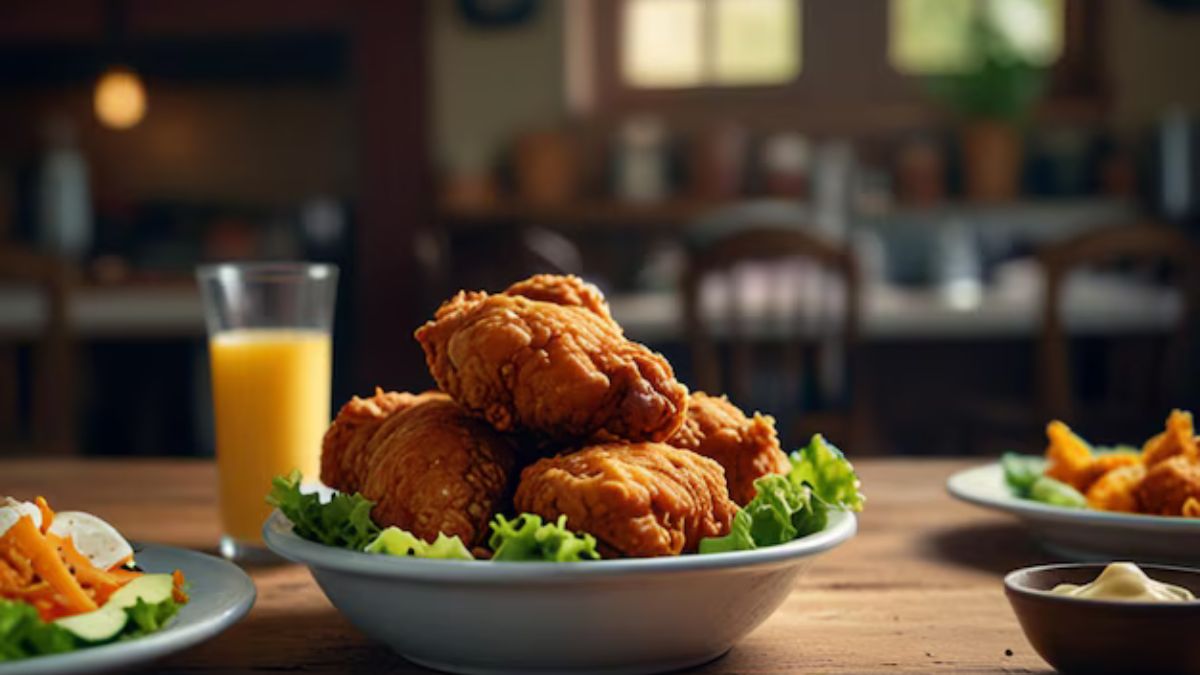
(1152, 57)
(490, 83)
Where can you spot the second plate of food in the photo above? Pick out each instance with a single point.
(1083, 534)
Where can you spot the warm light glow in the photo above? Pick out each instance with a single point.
(120, 98)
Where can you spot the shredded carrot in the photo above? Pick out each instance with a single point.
(25, 538)
(177, 593)
(47, 513)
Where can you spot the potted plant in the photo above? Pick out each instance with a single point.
(993, 98)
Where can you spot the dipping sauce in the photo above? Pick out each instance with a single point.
(1126, 582)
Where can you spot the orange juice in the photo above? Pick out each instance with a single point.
(271, 399)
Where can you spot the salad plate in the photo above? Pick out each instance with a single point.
(637, 615)
(221, 594)
(1083, 534)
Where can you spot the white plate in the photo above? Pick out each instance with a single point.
(220, 595)
(1083, 534)
(610, 616)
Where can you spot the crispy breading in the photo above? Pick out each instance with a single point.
(429, 466)
(562, 371)
(1169, 485)
(1116, 490)
(638, 500)
(342, 460)
(1179, 438)
(746, 447)
(569, 291)
(1191, 508)
(1070, 457)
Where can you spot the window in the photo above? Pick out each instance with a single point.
(941, 36)
(675, 44)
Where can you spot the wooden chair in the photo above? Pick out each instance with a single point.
(803, 322)
(1157, 248)
(52, 406)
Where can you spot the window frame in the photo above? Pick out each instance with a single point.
(843, 82)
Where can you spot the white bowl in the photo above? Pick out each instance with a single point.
(610, 616)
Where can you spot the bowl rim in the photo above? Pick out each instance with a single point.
(1011, 585)
(278, 535)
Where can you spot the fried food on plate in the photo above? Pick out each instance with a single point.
(563, 371)
(428, 465)
(567, 290)
(1179, 438)
(638, 500)
(1071, 459)
(746, 447)
(1116, 490)
(1169, 485)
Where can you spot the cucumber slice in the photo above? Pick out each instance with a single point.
(107, 622)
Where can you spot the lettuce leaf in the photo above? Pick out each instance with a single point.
(344, 521)
(526, 538)
(1022, 471)
(23, 633)
(1056, 493)
(402, 543)
(825, 469)
(792, 506)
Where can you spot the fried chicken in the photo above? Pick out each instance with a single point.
(638, 500)
(1169, 486)
(428, 465)
(1179, 438)
(747, 448)
(564, 371)
(568, 291)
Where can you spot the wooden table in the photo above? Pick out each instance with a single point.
(917, 590)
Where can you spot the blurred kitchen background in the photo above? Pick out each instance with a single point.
(921, 226)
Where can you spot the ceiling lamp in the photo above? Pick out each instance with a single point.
(120, 98)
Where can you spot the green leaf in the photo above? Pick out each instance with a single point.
(344, 521)
(146, 618)
(826, 470)
(402, 543)
(1050, 491)
(788, 507)
(526, 538)
(23, 633)
(1022, 471)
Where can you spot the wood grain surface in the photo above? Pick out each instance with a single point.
(918, 590)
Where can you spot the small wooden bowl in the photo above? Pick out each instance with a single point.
(1077, 635)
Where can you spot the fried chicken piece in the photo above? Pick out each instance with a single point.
(1072, 462)
(568, 291)
(1179, 438)
(638, 500)
(1117, 489)
(1191, 508)
(342, 459)
(1169, 486)
(562, 371)
(747, 448)
(429, 466)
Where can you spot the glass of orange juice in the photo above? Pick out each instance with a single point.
(270, 348)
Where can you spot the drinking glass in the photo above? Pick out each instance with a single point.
(270, 348)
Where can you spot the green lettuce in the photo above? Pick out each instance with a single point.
(1021, 472)
(23, 634)
(526, 538)
(344, 521)
(402, 543)
(791, 506)
(146, 618)
(1056, 493)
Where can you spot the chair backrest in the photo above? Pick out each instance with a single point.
(52, 427)
(1153, 246)
(796, 304)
